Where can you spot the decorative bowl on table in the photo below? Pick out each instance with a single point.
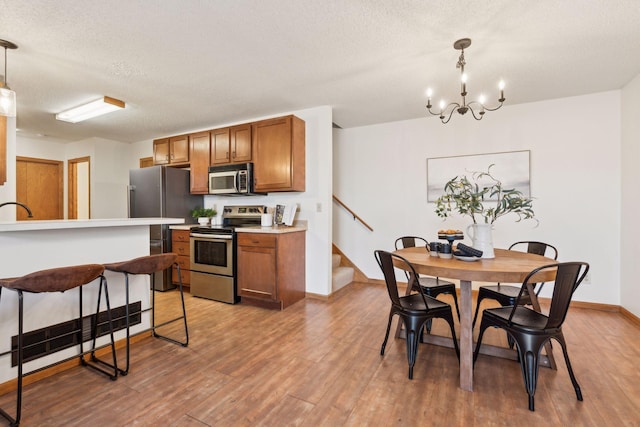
(450, 234)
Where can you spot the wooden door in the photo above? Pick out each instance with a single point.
(179, 147)
(273, 156)
(220, 146)
(161, 151)
(199, 146)
(78, 188)
(241, 143)
(39, 185)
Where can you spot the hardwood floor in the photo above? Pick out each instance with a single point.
(318, 364)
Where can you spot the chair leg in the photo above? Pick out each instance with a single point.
(96, 361)
(475, 316)
(184, 343)
(449, 320)
(20, 356)
(483, 327)
(529, 351)
(386, 335)
(576, 386)
(455, 302)
(412, 349)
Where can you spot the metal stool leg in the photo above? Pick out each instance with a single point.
(184, 343)
(113, 376)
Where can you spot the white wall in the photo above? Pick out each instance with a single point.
(630, 271)
(380, 173)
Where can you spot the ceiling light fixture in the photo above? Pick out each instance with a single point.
(7, 96)
(93, 109)
(477, 108)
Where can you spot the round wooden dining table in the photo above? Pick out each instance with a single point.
(507, 267)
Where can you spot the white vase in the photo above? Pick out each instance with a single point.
(482, 239)
(203, 220)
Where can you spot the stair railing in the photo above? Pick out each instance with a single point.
(355, 216)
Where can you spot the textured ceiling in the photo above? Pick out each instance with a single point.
(194, 64)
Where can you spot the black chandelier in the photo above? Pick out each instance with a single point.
(477, 108)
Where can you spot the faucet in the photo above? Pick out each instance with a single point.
(30, 215)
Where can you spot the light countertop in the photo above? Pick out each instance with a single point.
(280, 229)
(84, 223)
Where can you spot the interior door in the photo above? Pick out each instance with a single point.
(78, 184)
(39, 185)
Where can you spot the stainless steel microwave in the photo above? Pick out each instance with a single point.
(232, 180)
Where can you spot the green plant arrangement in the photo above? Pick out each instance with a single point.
(203, 213)
(486, 201)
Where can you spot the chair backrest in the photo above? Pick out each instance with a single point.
(569, 275)
(385, 261)
(410, 242)
(538, 248)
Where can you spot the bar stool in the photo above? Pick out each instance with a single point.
(57, 280)
(150, 265)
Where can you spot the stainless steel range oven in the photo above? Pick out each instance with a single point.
(213, 254)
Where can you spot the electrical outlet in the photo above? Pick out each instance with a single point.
(318, 207)
(587, 279)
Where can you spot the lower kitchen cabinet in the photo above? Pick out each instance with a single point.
(271, 268)
(180, 246)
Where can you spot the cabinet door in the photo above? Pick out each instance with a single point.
(199, 145)
(161, 151)
(220, 144)
(279, 154)
(179, 146)
(257, 272)
(241, 143)
(272, 145)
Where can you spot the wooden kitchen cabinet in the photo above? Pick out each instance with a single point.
(199, 148)
(271, 268)
(231, 145)
(279, 154)
(171, 151)
(180, 245)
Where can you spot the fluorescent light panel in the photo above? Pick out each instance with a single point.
(92, 109)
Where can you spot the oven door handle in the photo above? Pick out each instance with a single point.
(212, 236)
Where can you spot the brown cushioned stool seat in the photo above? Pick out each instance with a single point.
(150, 265)
(57, 280)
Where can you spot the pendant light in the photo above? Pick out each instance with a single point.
(7, 96)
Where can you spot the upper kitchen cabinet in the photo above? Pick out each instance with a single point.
(279, 154)
(199, 147)
(231, 145)
(171, 151)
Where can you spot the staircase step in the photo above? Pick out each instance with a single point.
(341, 276)
(335, 260)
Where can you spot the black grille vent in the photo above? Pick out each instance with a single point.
(48, 340)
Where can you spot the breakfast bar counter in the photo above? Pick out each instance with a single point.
(28, 246)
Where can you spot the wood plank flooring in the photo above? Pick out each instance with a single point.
(318, 364)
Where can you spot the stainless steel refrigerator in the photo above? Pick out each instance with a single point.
(161, 192)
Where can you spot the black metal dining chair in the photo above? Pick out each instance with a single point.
(414, 310)
(432, 286)
(531, 330)
(506, 294)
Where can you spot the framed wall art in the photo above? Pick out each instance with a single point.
(511, 167)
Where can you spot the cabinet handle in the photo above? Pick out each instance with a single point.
(234, 154)
(226, 155)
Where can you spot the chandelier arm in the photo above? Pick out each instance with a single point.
(431, 112)
(442, 116)
(473, 112)
(496, 108)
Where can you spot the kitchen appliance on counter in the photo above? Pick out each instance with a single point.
(213, 253)
(232, 180)
(157, 192)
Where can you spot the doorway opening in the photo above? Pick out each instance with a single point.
(79, 195)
